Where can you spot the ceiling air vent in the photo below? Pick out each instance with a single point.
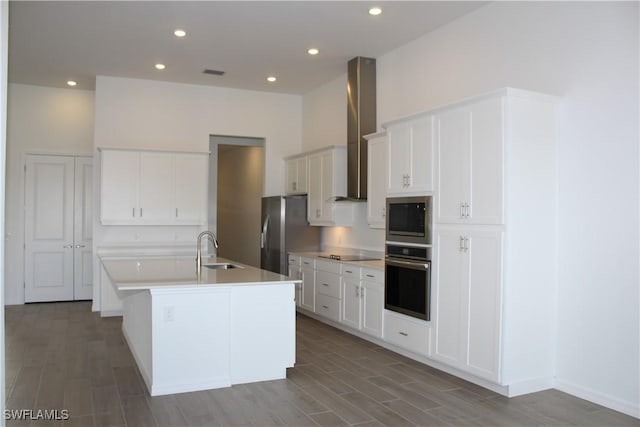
(213, 72)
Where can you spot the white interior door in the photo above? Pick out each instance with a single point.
(82, 230)
(58, 227)
(49, 243)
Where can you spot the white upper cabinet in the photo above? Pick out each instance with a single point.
(191, 175)
(470, 163)
(376, 180)
(327, 180)
(410, 155)
(296, 175)
(153, 188)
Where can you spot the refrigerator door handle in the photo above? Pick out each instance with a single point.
(263, 235)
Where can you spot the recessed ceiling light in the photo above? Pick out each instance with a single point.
(160, 66)
(313, 51)
(271, 79)
(179, 33)
(375, 11)
(71, 83)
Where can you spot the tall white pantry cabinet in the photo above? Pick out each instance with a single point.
(493, 266)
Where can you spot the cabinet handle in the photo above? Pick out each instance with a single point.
(408, 180)
(370, 275)
(325, 307)
(461, 244)
(140, 212)
(176, 212)
(348, 271)
(79, 246)
(466, 244)
(294, 186)
(461, 210)
(357, 292)
(133, 212)
(361, 292)
(466, 210)
(404, 334)
(67, 246)
(324, 284)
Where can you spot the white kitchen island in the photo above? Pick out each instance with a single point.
(191, 332)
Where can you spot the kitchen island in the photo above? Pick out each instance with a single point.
(193, 331)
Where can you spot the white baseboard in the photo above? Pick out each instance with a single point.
(111, 313)
(530, 386)
(208, 384)
(611, 402)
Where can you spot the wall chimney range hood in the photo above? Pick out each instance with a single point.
(361, 120)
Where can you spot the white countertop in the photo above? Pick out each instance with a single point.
(136, 273)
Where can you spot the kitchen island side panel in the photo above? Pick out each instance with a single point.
(263, 332)
(190, 340)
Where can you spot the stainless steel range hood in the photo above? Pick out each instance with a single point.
(361, 120)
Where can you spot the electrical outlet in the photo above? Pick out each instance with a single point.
(168, 314)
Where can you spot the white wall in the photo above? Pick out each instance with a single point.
(587, 53)
(40, 120)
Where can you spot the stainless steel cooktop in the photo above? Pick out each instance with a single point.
(356, 257)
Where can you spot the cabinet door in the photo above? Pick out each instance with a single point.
(453, 138)
(327, 186)
(291, 170)
(191, 175)
(308, 289)
(314, 198)
(372, 307)
(421, 156)
(399, 153)
(119, 187)
(451, 279)
(302, 174)
(156, 189)
(351, 302)
(485, 195)
(377, 178)
(484, 306)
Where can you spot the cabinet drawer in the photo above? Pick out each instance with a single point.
(330, 266)
(328, 284)
(294, 261)
(308, 262)
(351, 271)
(412, 335)
(373, 275)
(328, 306)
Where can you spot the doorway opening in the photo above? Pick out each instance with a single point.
(236, 185)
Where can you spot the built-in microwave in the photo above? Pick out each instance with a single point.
(409, 219)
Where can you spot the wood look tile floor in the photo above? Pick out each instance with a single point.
(63, 356)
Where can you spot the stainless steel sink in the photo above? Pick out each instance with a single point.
(221, 266)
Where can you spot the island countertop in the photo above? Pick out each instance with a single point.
(137, 273)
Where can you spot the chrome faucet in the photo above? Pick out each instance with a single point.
(211, 236)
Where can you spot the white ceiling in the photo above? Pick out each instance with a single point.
(51, 42)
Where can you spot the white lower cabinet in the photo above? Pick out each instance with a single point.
(328, 289)
(295, 271)
(407, 332)
(363, 299)
(467, 293)
(308, 291)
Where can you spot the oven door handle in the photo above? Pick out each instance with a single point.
(408, 264)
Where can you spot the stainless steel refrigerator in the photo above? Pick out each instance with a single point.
(284, 229)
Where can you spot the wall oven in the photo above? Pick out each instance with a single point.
(408, 280)
(409, 219)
